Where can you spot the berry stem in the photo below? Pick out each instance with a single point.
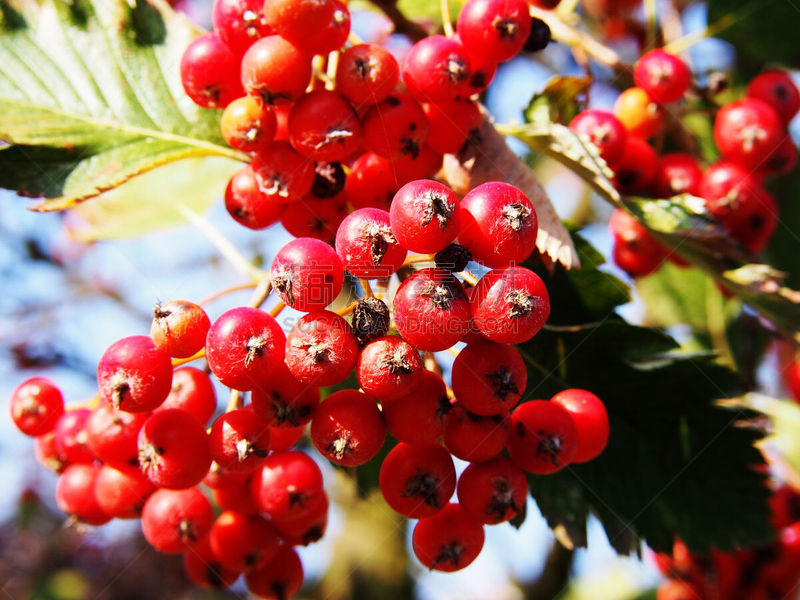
(177, 362)
(276, 310)
(419, 258)
(235, 401)
(367, 288)
(333, 64)
(651, 20)
(229, 290)
(347, 309)
(469, 278)
(261, 292)
(447, 23)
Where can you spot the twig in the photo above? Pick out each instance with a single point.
(261, 292)
(447, 23)
(277, 309)
(235, 401)
(418, 258)
(333, 65)
(366, 287)
(347, 309)
(401, 23)
(177, 362)
(226, 291)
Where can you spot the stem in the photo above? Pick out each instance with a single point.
(347, 309)
(354, 39)
(261, 292)
(333, 65)
(418, 258)
(447, 23)
(225, 247)
(226, 291)
(177, 362)
(401, 23)
(235, 401)
(682, 44)
(651, 18)
(277, 309)
(454, 351)
(469, 278)
(366, 287)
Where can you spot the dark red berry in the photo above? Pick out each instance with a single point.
(371, 182)
(493, 491)
(489, 378)
(282, 174)
(544, 437)
(677, 173)
(636, 169)
(635, 250)
(417, 481)
(243, 542)
(285, 401)
(71, 437)
(247, 204)
(278, 579)
(113, 436)
(176, 520)
(395, 127)
(239, 23)
(314, 217)
(348, 429)
(333, 34)
(388, 368)
(193, 392)
(451, 124)
(366, 74)
(436, 69)
(778, 90)
(122, 494)
(202, 568)
(474, 437)
(448, 541)
(604, 130)
(288, 485)
(591, 419)
(324, 127)
(418, 416)
(747, 131)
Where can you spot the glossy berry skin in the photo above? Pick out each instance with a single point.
(677, 173)
(282, 174)
(366, 74)
(193, 392)
(275, 70)
(121, 494)
(36, 404)
(664, 76)
(278, 579)
(314, 217)
(134, 375)
(510, 305)
(636, 169)
(498, 224)
(112, 436)
(641, 116)
(367, 245)
(590, 417)
(244, 347)
(424, 216)
(333, 34)
(418, 417)
(389, 368)
(494, 29)
(47, 454)
(239, 440)
(489, 378)
(417, 481)
(474, 437)
(243, 542)
(493, 491)
(778, 90)
(175, 520)
(179, 328)
(604, 130)
(431, 310)
(635, 250)
(173, 449)
(451, 124)
(209, 72)
(247, 204)
(236, 498)
(307, 273)
(544, 437)
(307, 530)
(747, 131)
(348, 429)
(423, 165)
(297, 19)
(482, 72)
(285, 402)
(285, 438)
(247, 124)
(448, 541)
(288, 485)
(371, 182)
(203, 569)
(71, 438)
(783, 160)
(321, 349)
(436, 69)
(395, 127)
(75, 494)
(324, 127)
(239, 23)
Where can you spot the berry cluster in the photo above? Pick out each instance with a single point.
(749, 133)
(759, 574)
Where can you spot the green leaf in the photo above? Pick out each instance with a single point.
(560, 101)
(90, 96)
(674, 295)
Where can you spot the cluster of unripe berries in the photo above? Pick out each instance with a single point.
(758, 574)
(749, 133)
(330, 126)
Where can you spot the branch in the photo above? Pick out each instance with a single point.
(401, 23)
(554, 576)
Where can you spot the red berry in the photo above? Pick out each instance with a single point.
(173, 449)
(239, 440)
(317, 218)
(122, 494)
(784, 159)
(747, 131)
(489, 378)
(282, 174)
(510, 305)
(202, 568)
(218, 478)
(641, 116)
(47, 454)
(778, 90)
(636, 169)
(493, 491)
(235, 497)
(448, 541)
(307, 274)
(179, 328)
(431, 310)
(288, 485)
(498, 224)
(664, 76)
(75, 494)
(306, 530)
(298, 20)
(239, 23)
(36, 404)
(284, 438)
(209, 72)
(323, 126)
(395, 127)
(134, 375)
(71, 438)
(366, 74)
(677, 173)
(424, 216)
(193, 392)
(245, 347)
(604, 130)
(417, 481)
(591, 419)
(243, 542)
(422, 165)
(275, 70)
(112, 436)
(321, 349)
(367, 245)
(371, 182)
(247, 204)
(248, 125)
(278, 579)
(636, 251)
(175, 520)
(436, 69)
(348, 429)
(285, 401)
(333, 34)
(474, 437)
(792, 376)
(389, 368)
(544, 437)
(494, 29)
(451, 124)
(418, 417)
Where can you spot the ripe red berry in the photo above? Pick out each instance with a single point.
(635, 251)
(275, 70)
(544, 437)
(636, 169)
(641, 116)
(664, 76)
(209, 72)
(451, 124)
(239, 440)
(783, 160)
(307, 273)
(193, 392)
(278, 579)
(489, 378)
(494, 29)
(306, 530)
(288, 485)
(493, 491)
(298, 20)
(282, 174)
(179, 328)
(243, 542)
(202, 568)
(47, 454)
(175, 520)
(247, 204)
(122, 494)
(388, 368)
(395, 127)
(677, 173)
(448, 541)
(424, 216)
(333, 34)
(284, 438)
(239, 23)
(321, 349)
(778, 90)
(371, 182)
(285, 401)
(591, 419)
(134, 375)
(247, 124)
(366, 74)
(423, 165)
(436, 69)
(236, 497)
(71, 438)
(173, 449)
(418, 416)
(474, 437)
(417, 481)
(498, 224)
(604, 130)
(367, 245)
(245, 347)
(112, 436)
(323, 126)
(313, 217)
(747, 131)
(36, 404)
(75, 494)
(431, 310)
(510, 305)
(348, 429)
